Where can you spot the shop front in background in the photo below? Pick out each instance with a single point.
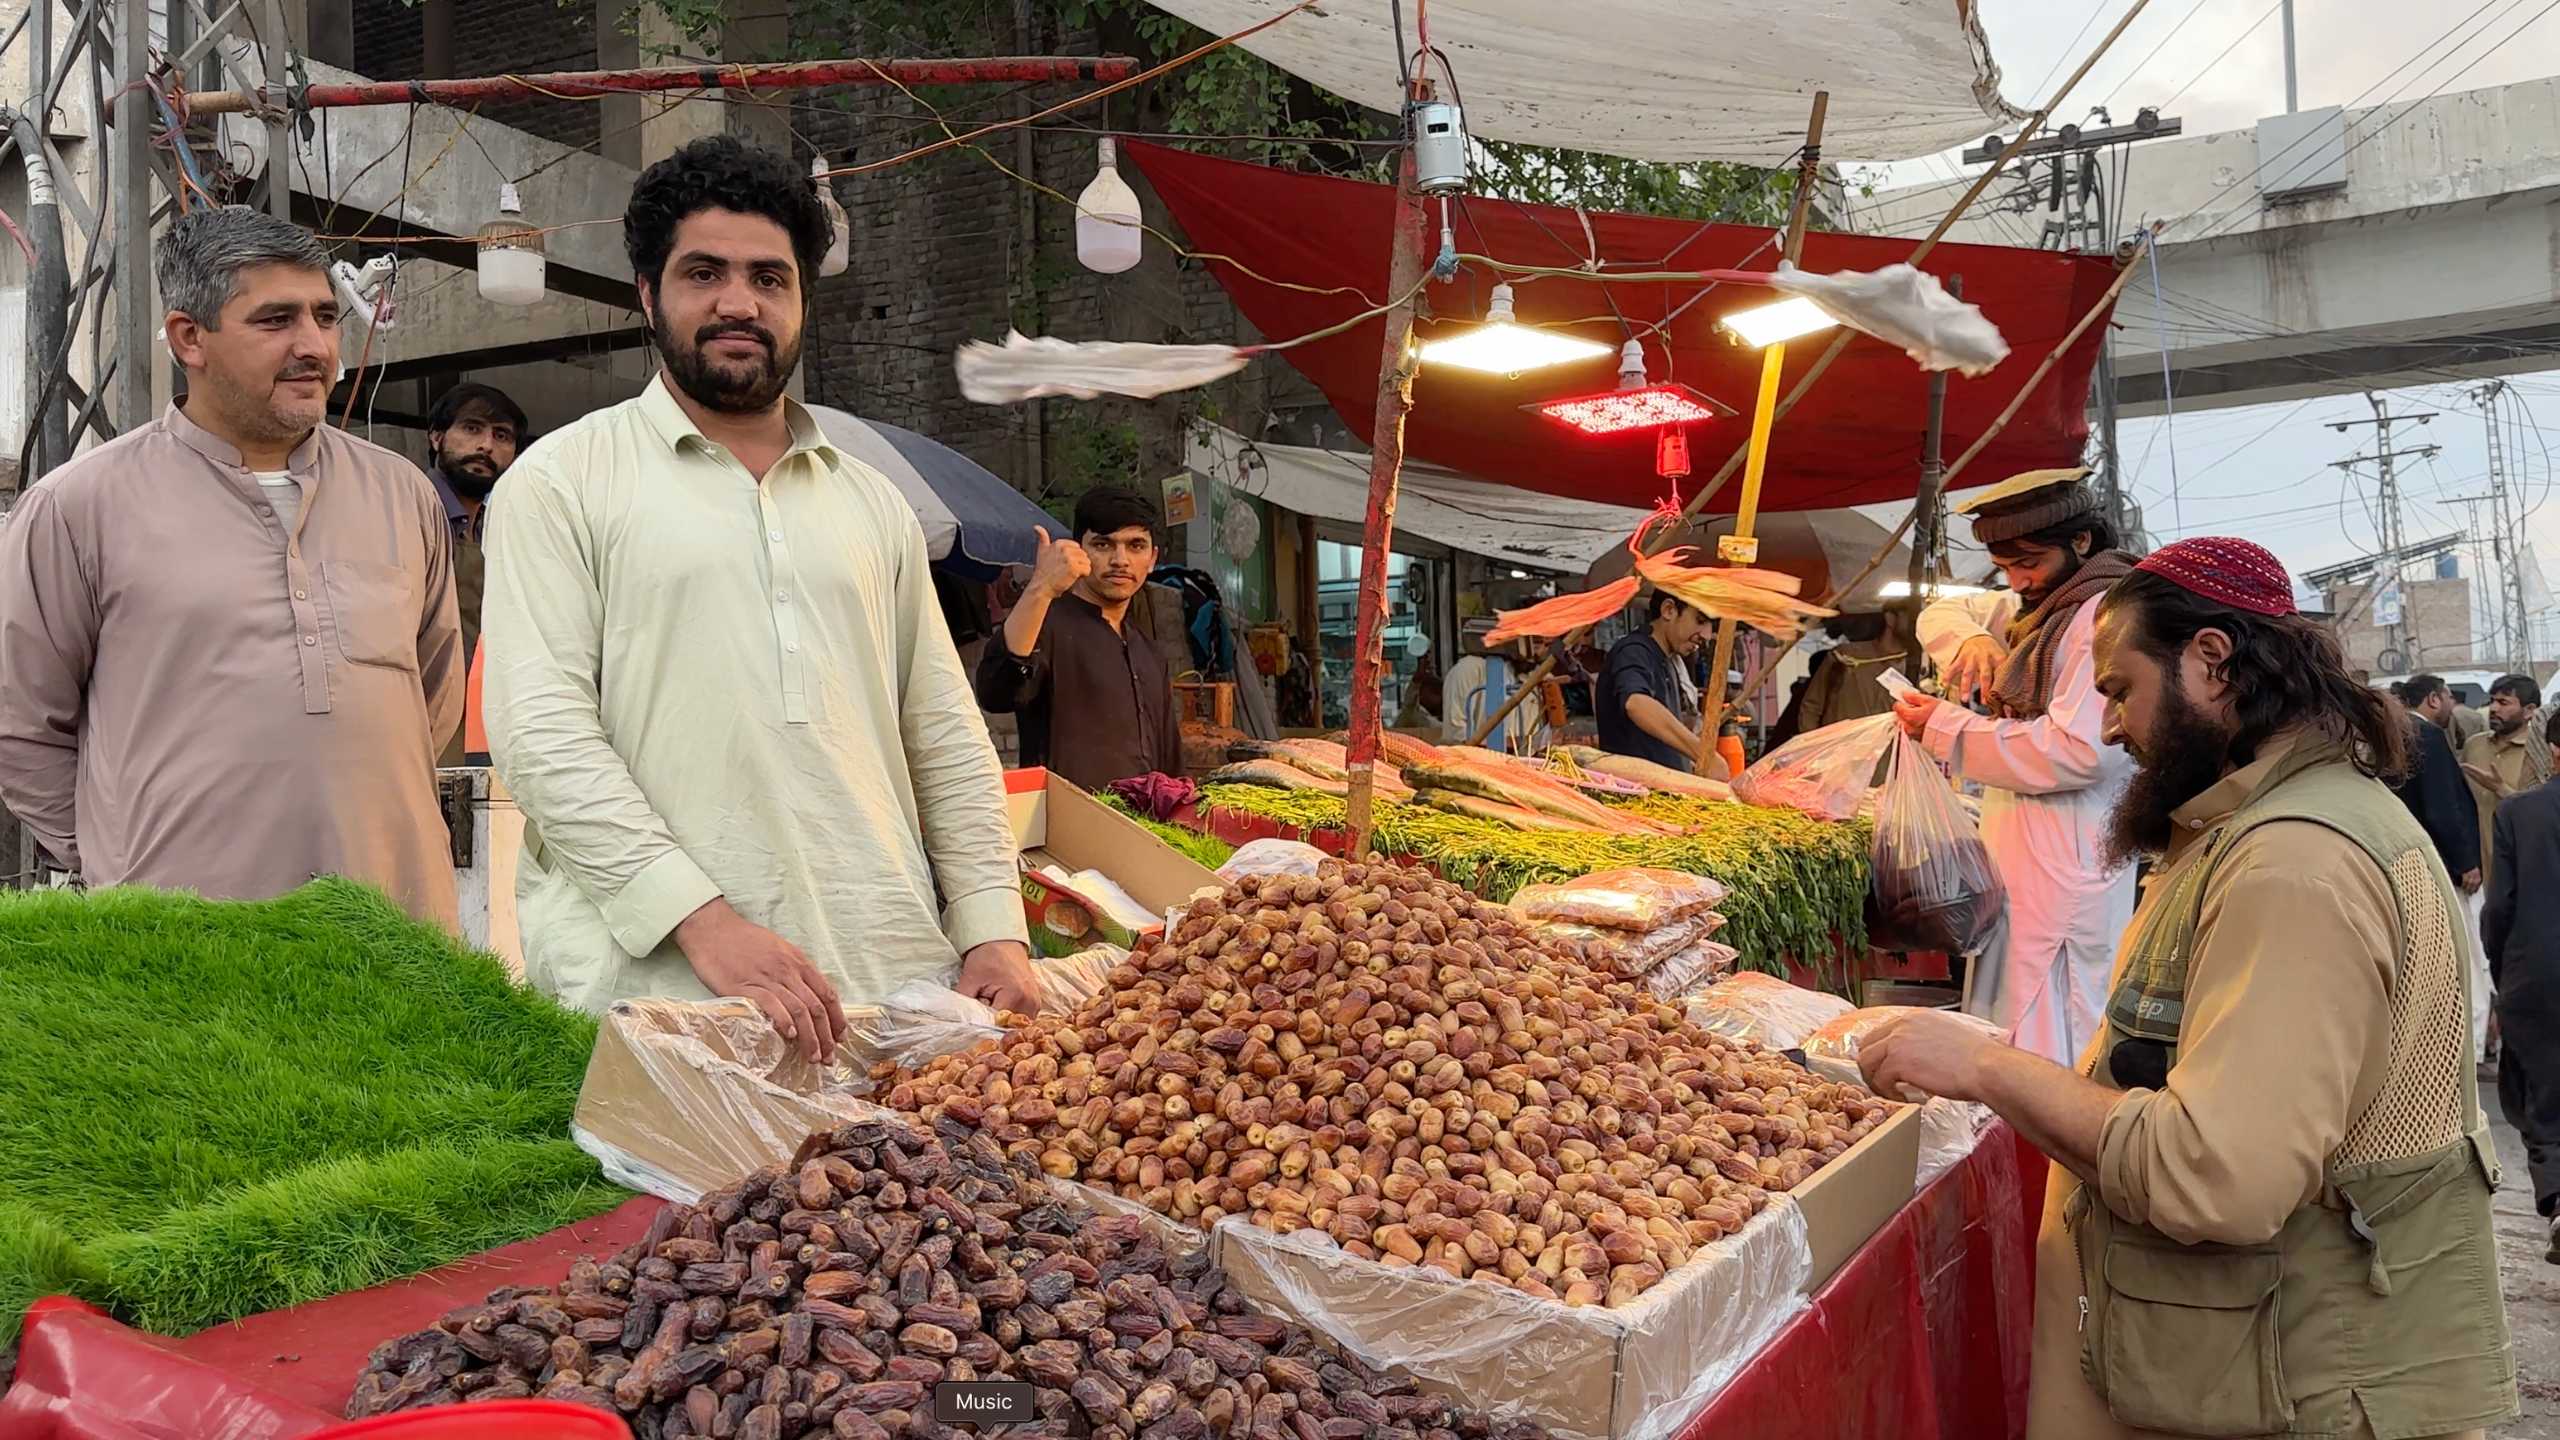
(1421, 620)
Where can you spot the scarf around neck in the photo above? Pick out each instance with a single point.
(2024, 689)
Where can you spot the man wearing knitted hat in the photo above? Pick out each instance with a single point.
(2269, 1206)
(2024, 652)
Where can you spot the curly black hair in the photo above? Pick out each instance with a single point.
(722, 172)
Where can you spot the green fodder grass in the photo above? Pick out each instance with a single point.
(209, 1109)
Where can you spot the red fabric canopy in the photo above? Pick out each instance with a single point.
(1854, 440)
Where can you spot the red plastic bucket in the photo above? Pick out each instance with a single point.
(495, 1420)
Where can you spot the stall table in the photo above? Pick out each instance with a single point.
(1922, 1335)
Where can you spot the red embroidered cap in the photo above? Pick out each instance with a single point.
(2227, 571)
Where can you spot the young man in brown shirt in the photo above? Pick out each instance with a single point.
(228, 646)
(1095, 696)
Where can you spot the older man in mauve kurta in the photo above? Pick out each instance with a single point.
(228, 647)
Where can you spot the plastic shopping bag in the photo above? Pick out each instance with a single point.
(1824, 773)
(1934, 888)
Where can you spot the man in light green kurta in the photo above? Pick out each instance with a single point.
(718, 682)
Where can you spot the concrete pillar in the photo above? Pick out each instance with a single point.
(639, 129)
(436, 36)
(324, 30)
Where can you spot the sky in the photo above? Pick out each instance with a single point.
(2265, 471)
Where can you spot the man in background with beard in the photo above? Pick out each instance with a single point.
(2268, 1211)
(718, 681)
(2025, 653)
(228, 652)
(2505, 760)
(473, 434)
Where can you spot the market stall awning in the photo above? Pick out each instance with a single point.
(973, 520)
(1661, 79)
(1854, 440)
(1517, 527)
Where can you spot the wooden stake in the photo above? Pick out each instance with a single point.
(1386, 460)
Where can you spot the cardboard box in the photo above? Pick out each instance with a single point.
(1632, 1373)
(1061, 827)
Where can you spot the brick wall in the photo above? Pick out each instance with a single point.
(492, 37)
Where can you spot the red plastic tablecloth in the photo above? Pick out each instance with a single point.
(1921, 1336)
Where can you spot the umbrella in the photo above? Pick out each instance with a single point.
(974, 522)
(1822, 548)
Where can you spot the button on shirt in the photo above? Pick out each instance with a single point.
(699, 686)
(1096, 702)
(211, 684)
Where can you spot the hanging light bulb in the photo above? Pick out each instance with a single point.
(839, 255)
(511, 263)
(1108, 237)
(1504, 346)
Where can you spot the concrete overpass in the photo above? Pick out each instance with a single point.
(2329, 252)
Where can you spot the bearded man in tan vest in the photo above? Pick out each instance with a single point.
(2269, 1205)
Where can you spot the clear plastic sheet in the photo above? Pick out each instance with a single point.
(1764, 1010)
(1934, 888)
(1070, 980)
(1824, 773)
(1634, 898)
(1633, 952)
(1691, 970)
(1257, 858)
(683, 1097)
(1636, 1372)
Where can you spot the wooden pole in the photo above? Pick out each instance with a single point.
(1925, 510)
(1739, 547)
(1716, 483)
(1386, 460)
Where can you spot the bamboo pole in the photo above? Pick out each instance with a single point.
(1840, 342)
(2124, 273)
(1740, 548)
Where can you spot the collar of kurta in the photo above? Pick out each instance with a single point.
(659, 403)
(305, 456)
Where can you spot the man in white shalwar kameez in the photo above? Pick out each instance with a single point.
(2050, 780)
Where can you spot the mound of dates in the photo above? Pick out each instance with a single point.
(1376, 1056)
(830, 1296)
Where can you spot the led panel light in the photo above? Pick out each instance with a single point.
(1504, 346)
(1614, 412)
(1769, 325)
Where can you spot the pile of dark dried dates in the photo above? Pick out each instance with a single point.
(834, 1295)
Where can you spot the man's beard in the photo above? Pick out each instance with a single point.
(470, 484)
(2180, 759)
(746, 389)
(2509, 727)
(2071, 566)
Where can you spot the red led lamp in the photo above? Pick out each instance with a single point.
(1647, 407)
